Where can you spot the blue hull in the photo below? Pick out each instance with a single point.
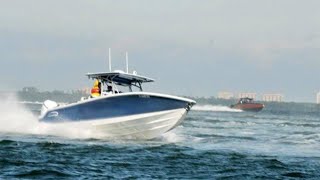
(115, 106)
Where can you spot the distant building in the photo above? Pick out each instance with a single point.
(248, 95)
(225, 95)
(272, 97)
(318, 98)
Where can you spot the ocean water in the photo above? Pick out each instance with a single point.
(214, 142)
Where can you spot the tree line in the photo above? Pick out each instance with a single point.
(34, 94)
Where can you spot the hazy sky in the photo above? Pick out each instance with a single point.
(191, 47)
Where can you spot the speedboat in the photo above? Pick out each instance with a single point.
(247, 104)
(117, 114)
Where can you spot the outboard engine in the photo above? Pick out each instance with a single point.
(47, 105)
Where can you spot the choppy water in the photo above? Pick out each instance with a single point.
(213, 142)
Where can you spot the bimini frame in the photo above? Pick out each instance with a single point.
(121, 78)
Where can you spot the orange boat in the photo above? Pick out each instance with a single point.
(247, 104)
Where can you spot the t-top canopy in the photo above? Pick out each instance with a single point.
(120, 78)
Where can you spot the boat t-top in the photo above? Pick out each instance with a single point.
(130, 114)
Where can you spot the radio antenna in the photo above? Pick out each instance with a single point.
(110, 59)
(127, 62)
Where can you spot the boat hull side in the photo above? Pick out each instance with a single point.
(249, 107)
(142, 126)
(146, 126)
(112, 107)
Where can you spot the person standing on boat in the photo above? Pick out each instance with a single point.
(96, 90)
(109, 87)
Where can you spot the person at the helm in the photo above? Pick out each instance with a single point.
(109, 88)
(96, 90)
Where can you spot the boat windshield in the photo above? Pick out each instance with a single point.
(245, 100)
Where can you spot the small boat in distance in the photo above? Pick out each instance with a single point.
(118, 114)
(247, 104)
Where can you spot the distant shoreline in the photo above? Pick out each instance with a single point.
(36, 95)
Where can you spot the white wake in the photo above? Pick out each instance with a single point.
(215, 108)
(16, 118)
